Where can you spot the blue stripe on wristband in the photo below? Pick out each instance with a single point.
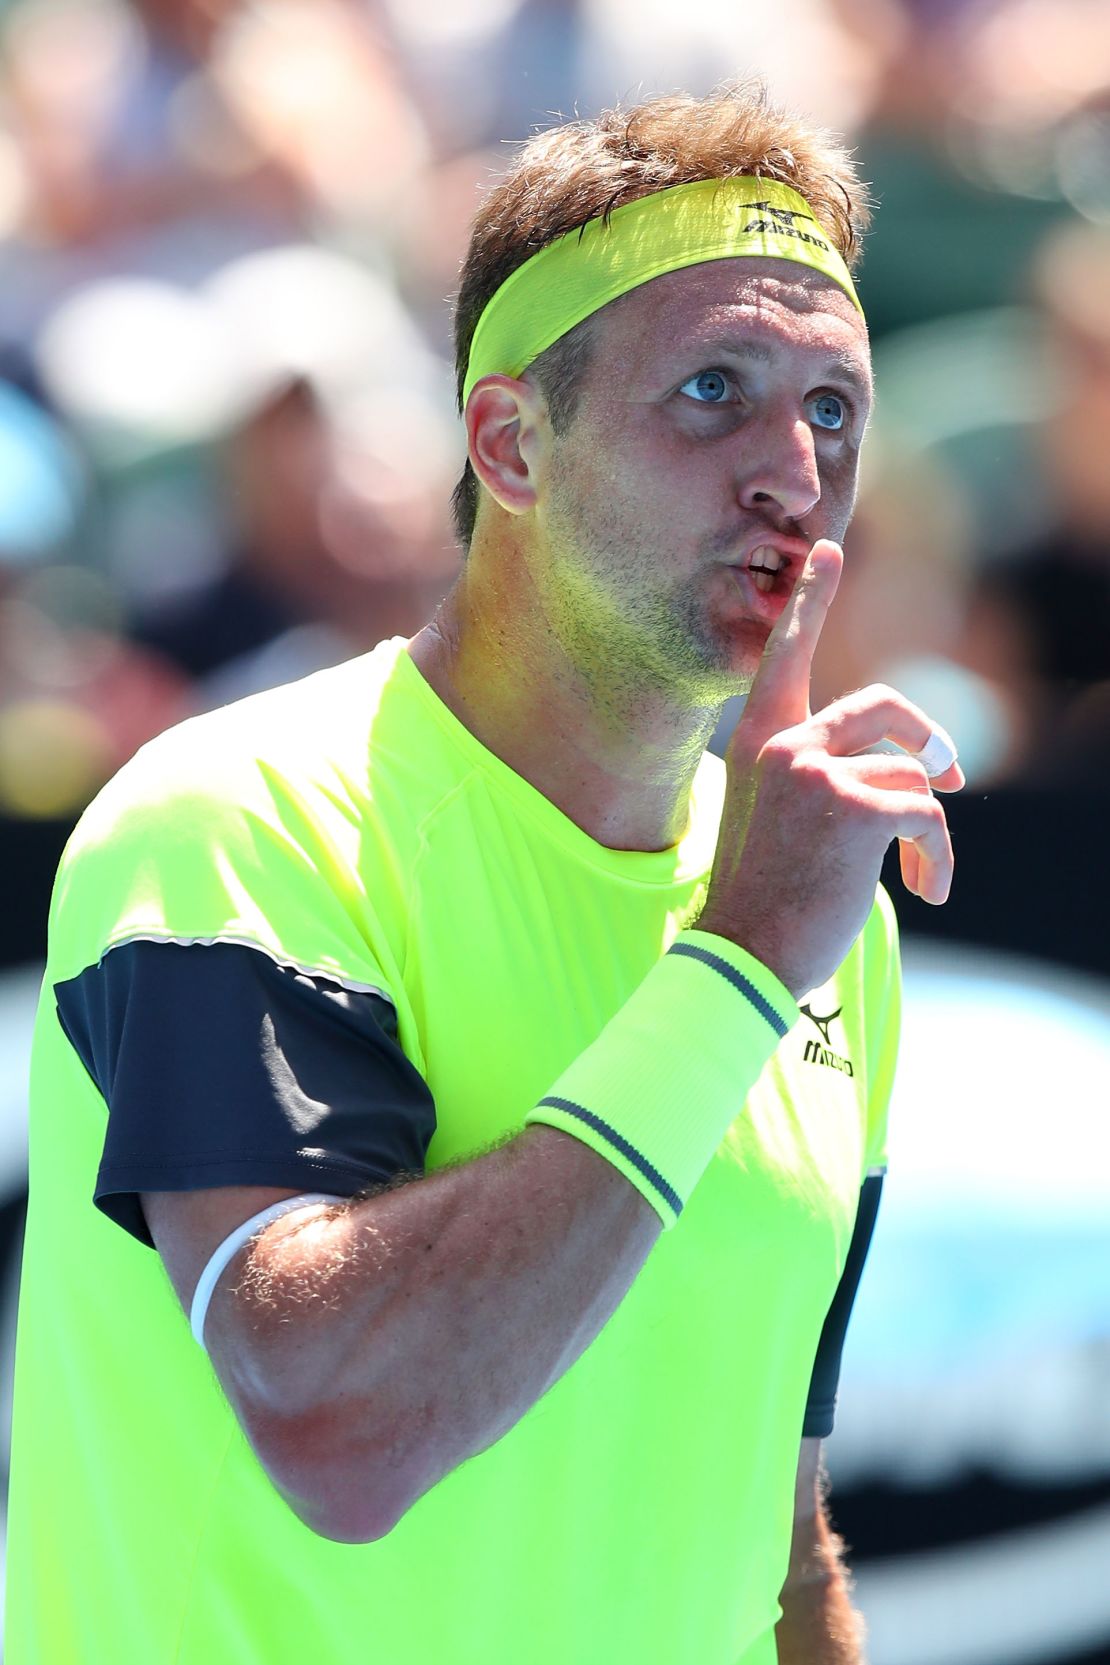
(669, 1195)
(763, 1006)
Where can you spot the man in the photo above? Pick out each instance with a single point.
(432, 913)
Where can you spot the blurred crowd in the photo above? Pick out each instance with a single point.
(229, 231)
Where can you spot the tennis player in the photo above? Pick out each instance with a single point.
(459, 1102)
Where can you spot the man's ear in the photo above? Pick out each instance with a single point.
(504, 421)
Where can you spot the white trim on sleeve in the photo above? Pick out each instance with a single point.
(226, 941)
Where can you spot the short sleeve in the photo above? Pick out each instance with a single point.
(219, 1066)
(221, 969)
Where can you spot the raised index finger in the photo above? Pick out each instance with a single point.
(780, 693)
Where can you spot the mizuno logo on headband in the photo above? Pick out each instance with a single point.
(781, 221)
(577, 274)
(787, 214)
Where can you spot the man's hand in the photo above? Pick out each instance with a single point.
(807, 819)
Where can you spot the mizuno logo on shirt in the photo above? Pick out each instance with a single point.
(818, 1053)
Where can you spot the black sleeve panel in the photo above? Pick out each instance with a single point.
(220, 1067)
(821, 1404)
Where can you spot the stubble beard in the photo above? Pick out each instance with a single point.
(630, 638)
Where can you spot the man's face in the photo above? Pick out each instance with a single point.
(719, 421)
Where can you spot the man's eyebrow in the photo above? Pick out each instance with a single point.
(850, 369)
(741, 347)
(842, 364)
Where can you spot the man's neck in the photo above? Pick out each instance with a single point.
(619, 768)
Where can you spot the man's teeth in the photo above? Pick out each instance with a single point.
(764, 564)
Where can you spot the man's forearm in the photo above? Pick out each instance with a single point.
(370, 1354)
(819, 1625)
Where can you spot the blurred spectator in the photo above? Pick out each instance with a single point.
(483, 71)
(1040, 619)
(828, 57)
(129, 153)
(985, 127)
(41, 480)
(314, 517)
(162, 138)
(314, 86)
(75, 698)
(906, 553)
(900, 615)
(334, 550)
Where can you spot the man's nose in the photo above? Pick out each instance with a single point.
(777, 463)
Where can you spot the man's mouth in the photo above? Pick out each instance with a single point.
(765, 564)
(766, 567)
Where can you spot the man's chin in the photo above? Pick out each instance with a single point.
(741, 648)
(722, 676)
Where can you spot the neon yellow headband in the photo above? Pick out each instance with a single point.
(713, 219)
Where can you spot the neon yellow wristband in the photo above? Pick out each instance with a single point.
(657, 1090)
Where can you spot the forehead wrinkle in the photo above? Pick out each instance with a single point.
(764, 352)
(693, 309)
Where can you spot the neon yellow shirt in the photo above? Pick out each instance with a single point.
(640, 1512)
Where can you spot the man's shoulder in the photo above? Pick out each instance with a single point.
(236, 757)
(322, 719)
(249, 823)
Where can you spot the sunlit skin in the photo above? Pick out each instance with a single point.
(602, 601)
(682, 457)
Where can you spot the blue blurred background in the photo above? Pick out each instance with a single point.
(228, 232)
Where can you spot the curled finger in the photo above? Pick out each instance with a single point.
(926, 829)
(871, 716)
(918, 818)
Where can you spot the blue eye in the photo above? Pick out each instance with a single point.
(829, 411)
(710, 387)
